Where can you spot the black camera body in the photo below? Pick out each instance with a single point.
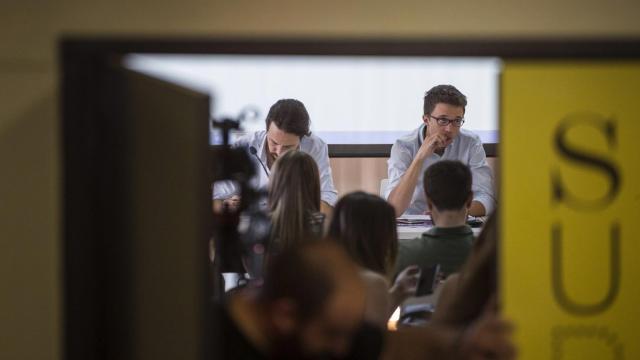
(241, 235)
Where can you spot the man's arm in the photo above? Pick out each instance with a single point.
(483, 191)
(477, 209)
(232, 203)
(488, 337)
(216, 206)
(327, 210)
(328, 193)
(224, 192)
(400, 196)
(227, 192)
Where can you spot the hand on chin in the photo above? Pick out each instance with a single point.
(447, 142)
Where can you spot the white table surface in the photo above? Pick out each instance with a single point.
(406, 232)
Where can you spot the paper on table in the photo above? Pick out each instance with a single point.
(425, 220)
(413, 220)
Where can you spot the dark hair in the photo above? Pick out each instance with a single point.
(447, 184)
(366, 226)
(290, 116)
(308, 274)
(294, 198)
(446, 94)
(290, 274)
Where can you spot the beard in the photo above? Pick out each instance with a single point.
(271, 158)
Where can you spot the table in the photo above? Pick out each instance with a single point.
(410, 232)
(406, 232)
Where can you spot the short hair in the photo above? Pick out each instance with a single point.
(290, 116)
(365, 224)
(447, 184)
(446, 94)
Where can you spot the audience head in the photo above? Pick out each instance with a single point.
(444, 108)
(287, 122)
(313, 299)
(294, 198)
(366, 225)
(447, 185)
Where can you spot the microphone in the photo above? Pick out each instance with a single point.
(254, 152)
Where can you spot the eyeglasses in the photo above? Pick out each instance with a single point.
(443, 121)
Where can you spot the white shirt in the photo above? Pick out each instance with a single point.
(311, 145)
(466, 147)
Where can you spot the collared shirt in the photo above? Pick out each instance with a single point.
(311, 145)
(448, 247)
(466, 147)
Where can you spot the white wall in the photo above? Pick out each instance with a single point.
(351, 99)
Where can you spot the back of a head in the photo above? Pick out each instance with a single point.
(311, 274)
(446, 94)
(294, 196)
(447, 184)
(366, 226)
(290, 116)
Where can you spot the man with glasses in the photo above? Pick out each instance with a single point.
(440, 137)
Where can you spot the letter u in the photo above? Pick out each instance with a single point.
(559, 291)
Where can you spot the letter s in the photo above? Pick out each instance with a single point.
(559, 192)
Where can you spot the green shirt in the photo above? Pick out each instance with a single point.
(448, 247)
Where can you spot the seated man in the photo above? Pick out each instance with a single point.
(448, 187)
(439, 138)
(287, 127)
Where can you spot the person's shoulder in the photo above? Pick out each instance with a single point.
(407, 143)
(428, 237)
(458, 240)
(409, 137)
(469, 136)
(468, 239)
(410, 246)
(462, 239)
(375, 282)
(410, 252)
(314, 140)
(313, 145)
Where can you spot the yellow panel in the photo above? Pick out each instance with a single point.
(578, 123)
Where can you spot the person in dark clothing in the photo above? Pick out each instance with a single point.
(311, 306)
(449, 196)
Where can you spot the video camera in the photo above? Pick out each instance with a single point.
(240, 236)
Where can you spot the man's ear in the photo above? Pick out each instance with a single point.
(284, 315)
(425, 119)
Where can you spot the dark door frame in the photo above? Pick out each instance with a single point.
(87, 101)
